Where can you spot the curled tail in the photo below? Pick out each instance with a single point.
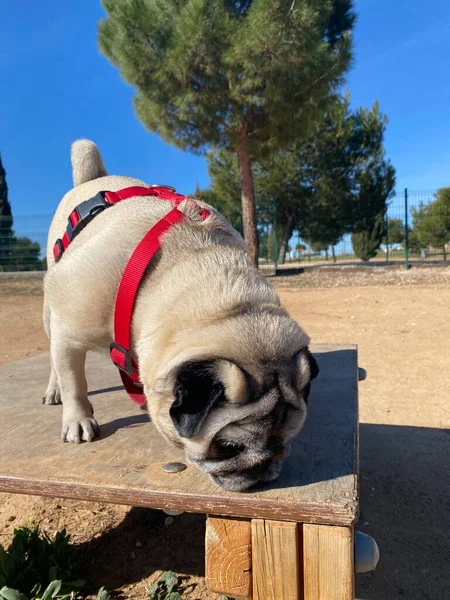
(87, 162)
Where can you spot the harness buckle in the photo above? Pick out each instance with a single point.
(58, 249)
(121, 358)
(84, 213)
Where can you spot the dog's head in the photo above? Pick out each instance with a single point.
(236, 401)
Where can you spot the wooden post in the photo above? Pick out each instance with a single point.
(276, 561)
(328, 563)
(228, 557)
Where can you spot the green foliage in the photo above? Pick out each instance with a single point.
(103, 594)
(25, 255)
(395, 232)
(52, 591)
(33, 561)
(225, 192)
(336, 182)
(16, 253)
(166, 588)
(6, 220)
(331, 156)
(249, 77)
(366, 243)
(205, 69)
(414, 244)
(374, 181)
(431, 223)
(318, 246)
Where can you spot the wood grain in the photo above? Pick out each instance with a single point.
(275, 560)
(318, 483)
(228, 557)
(328, 562)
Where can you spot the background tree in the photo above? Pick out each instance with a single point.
(431, 223)
(414, 244)
(25, 255)
(320, 185)
(332, 156)
(6, 221)
(374, 184)
(281, 183)
(395, 232)
(225, 189)
(246, 76)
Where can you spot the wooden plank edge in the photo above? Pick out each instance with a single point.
(232, 506)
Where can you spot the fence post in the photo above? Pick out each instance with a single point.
(275, 242)
(407, 265)
(387, 238)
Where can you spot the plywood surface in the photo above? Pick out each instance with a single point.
(318, 483)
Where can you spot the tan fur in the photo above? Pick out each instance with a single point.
(87, 163)
(202, 300)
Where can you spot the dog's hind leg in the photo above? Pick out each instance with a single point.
(52, 394)
(68, 358)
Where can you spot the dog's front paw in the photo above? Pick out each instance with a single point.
(78, 429)
(52, 396)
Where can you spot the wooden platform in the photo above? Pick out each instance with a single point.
(318, 483)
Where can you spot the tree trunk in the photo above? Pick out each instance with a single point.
(326, 254)
(333, 253)
(445, 252)
(248, 202)
(288, 229)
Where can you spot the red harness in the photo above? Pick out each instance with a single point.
(134, 271)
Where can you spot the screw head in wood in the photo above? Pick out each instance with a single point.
(174, 467)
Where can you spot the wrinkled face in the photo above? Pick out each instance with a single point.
(235, 424)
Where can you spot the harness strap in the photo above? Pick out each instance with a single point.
(134, 271)
(126, 298)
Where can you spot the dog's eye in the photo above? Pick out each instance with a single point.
(223, 450)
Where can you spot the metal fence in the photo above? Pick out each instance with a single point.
(401, 243)
(23, 243)
(22, 246)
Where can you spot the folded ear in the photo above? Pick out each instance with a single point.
(307, 368)
(313, 366)
(199, 386)
(234, 381)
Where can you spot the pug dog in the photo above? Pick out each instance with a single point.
(225, 371)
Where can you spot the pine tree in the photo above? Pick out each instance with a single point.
(374, 183)
(248, 76)
(6, 221)
(431, 222)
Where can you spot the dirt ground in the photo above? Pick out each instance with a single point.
(400, 321)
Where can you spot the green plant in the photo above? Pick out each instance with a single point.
(166, 588)
(53, 590)
(33, 562)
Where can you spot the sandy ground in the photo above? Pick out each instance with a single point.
(401, 324)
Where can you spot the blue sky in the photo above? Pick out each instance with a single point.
(56, 87)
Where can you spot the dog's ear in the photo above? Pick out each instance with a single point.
(199, 386)
(313, 366)
(234, 381)
(307, 368)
